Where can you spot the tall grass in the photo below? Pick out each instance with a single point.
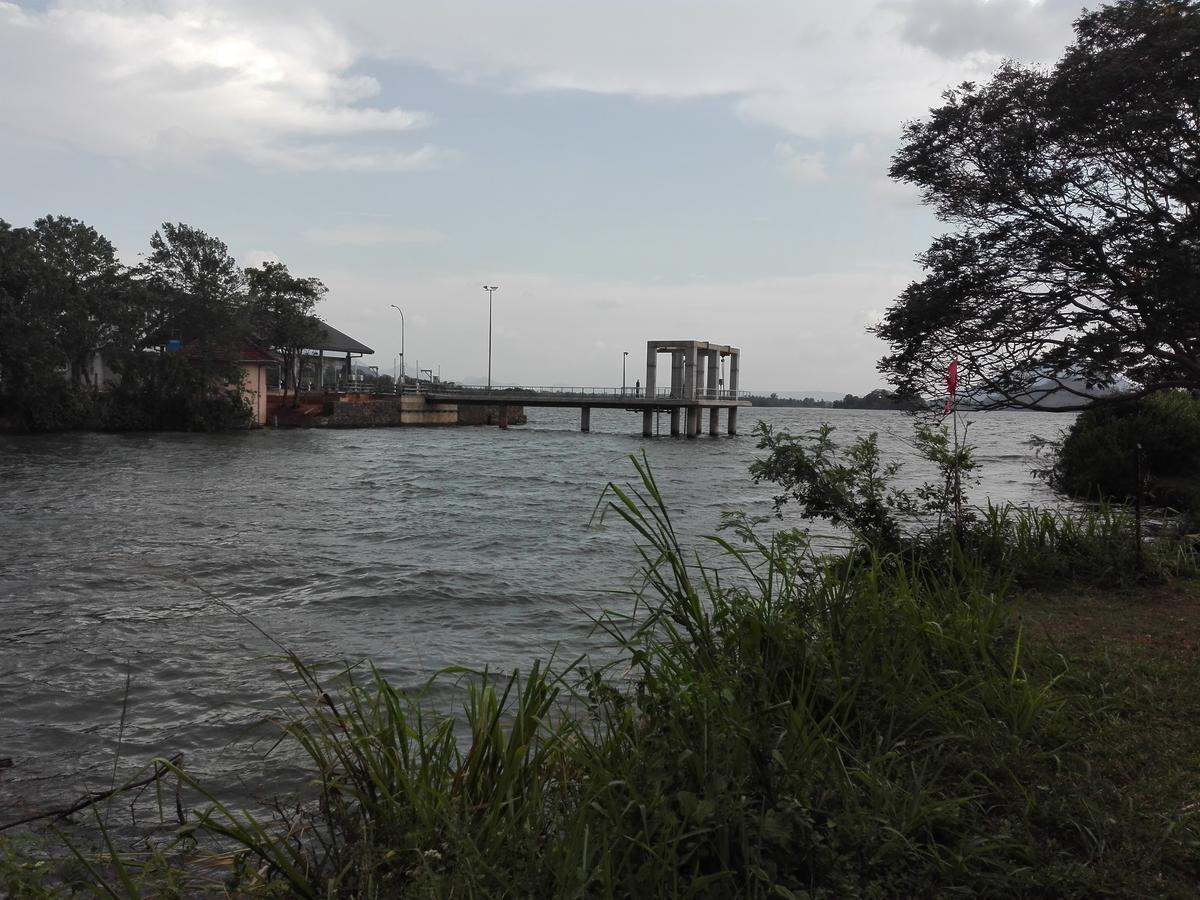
(1098, 545)
(809, 727)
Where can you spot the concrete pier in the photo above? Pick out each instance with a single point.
(697, 384)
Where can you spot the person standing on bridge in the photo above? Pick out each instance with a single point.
(637, 388)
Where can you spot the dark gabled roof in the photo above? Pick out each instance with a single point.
(335, 341)
(252, 353)
(248, 351)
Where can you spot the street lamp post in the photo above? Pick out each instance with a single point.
(624, 358)
(399, 310)
(491, 289)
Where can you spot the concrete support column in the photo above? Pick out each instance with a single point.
(648, 423)
(714, 363)
(714, 421)
(693, 421)
(733, 420)
(674, 421)
(733, 371)
(504, 416)
(585, 419)
(651, 369)
(689, 372)
(676, 373)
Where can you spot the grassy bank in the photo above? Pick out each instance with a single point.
(777, 725)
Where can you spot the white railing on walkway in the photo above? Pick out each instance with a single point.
(599, 393)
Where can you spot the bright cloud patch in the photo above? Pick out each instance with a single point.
(184, 82)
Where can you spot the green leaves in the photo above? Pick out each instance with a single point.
(1071, 200)
(853, 488)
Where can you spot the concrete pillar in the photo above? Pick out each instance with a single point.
(504, 416)
(734, 357)
(648, 423)
(676, 373)
(714, 421)
(689, 372)
(693, 421)
(651, 369)
(585, 419)
(713, 369)
(675, 421)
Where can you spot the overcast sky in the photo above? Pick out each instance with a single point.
(622, 170)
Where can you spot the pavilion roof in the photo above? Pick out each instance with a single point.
(333, 341)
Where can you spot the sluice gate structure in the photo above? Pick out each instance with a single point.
(696, 386)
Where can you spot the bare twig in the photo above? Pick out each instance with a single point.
(160, 769)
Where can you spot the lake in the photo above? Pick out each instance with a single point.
(415, 548)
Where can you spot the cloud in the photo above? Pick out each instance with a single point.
(278, 82)
(813, 70)
(182, 81)
(799, 168)
(954, 29)
(257, 258)
(371, 235)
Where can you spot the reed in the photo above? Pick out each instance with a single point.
(1100, 544)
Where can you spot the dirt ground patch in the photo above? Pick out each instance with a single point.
(1159, 620)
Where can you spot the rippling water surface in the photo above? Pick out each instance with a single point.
(416, 548)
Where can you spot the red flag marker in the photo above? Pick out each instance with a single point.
(951, 386)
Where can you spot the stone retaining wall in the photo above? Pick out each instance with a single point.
(387, 412)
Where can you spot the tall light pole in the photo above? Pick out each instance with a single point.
(399, 310)
(491, 289)
(624, 357)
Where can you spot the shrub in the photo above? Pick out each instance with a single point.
(1098, 457)
(852, 487)
(175, 392)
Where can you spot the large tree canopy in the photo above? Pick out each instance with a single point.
(1075, 196)
(196, 289)
(64, 296)
(281, 312)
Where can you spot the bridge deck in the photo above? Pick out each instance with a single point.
(598, 400)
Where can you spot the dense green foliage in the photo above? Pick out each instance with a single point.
(1071, 192)
(67, 302)
(1156, 438)
(1099, 455)
(776, 725)
(281, 310)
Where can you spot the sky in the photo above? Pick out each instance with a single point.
(623, 171)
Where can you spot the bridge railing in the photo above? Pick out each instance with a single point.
(583, 393)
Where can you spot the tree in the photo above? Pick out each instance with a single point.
(26, 341)
(83, 292)
(282, 314)
(1075, 196)
(195, 290)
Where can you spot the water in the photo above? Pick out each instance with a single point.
(416, 548)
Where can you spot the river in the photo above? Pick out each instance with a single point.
(415, 548)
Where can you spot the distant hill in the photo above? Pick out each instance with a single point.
(1057, 398)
